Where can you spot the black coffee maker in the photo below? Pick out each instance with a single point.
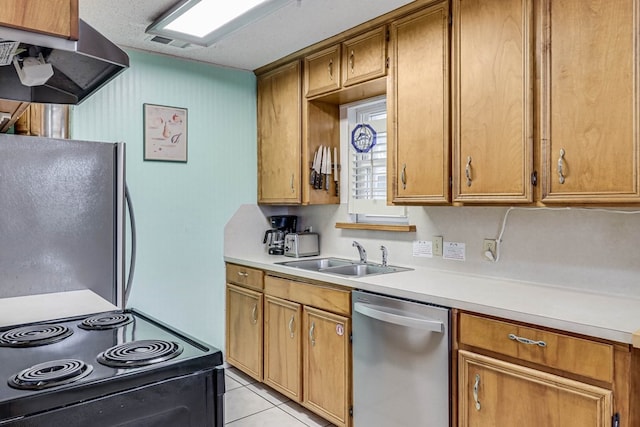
(281, 225)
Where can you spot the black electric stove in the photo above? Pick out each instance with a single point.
(112, 369)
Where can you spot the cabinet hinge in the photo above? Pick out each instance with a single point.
(351, 411)
(387, 62)
(351, 337)
(534, 178)
(450, 19)
(450, 182)
(388, 36)
(615, 421)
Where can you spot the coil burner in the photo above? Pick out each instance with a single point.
(135, 354)
(50, 374)
(106, 321)
(34, 335)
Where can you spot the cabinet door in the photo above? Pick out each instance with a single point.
(590, 101)
(492, 101)
(55, 17)
(496, 393)
(326, 365)
(283, 346)
(244, 330)
(279, 135)
(364, 57)
(322, 71)
(418, 99)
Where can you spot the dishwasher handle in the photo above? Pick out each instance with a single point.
(377, 312)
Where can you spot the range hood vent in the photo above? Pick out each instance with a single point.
(79, 67)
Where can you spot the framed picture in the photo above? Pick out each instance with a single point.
(165, 133)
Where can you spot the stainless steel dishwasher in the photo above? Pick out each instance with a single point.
(401, 354)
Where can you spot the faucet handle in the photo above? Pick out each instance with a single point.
(385, 253)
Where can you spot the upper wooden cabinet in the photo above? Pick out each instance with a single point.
(364, 57)
(356, 60)
(418, 107)
(14, 109)
(280, 135)
(589, 111)
(54, 17)
(492, 101)
(322, 71)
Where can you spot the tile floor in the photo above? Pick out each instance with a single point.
(252, 404)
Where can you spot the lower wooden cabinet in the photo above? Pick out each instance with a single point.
(244, 330)
(283, 346)
(493, 393)
(294, 337)
(326, 365)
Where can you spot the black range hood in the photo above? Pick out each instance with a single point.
(79, 67)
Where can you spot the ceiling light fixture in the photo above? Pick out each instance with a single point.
(203, 22)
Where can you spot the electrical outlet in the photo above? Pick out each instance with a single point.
(437, 245)
(489, 247)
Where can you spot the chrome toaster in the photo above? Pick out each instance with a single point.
(301, 244)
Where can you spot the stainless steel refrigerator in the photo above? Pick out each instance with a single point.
(61, 222)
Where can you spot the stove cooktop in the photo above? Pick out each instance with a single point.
(80, 350)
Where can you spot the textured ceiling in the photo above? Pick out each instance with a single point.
(297, 25)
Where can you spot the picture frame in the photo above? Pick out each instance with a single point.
(165, 133)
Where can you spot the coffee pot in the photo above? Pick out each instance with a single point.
(281, 225)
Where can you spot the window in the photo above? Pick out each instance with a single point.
(365, 136)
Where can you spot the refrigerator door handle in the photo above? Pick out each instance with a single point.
(379, 313)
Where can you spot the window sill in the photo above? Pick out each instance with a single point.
(375, 227)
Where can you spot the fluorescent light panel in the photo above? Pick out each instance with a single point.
(203, 22)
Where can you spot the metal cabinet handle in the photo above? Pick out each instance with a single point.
(352, 60)
(254, 314)
(467, 171)
(403, 176)
(330, 68)
(527, 341)
(292, 178)
(561, 166)
(476, 385)
(291, 324)
(311, 333)
(243, 274)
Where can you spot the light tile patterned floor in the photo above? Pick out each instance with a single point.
(252, 404)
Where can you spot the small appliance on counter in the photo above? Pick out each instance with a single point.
(301, 244)
(281, 225)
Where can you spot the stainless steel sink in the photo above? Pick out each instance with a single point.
(359, 270)
(317, 264)
(343, 267)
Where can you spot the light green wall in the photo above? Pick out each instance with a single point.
(181, 209)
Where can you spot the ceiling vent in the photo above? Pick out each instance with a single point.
(170, 42)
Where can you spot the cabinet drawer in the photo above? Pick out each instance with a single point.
(324, 297)
(364, 57)
(248, 277)
(322, 71)
(576, 355)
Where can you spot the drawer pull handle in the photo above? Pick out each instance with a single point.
(352, 60)
(467, 171)
(311, 333)
(561, 167)
(527, 341)
(291, 324)
(403, 176)
(330, 69)
(243, 274)
(476, 385)
(254, 314)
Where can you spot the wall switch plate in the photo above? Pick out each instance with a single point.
(489, 249)
(437, 245)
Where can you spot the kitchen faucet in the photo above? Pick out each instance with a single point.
(361, 251)
(385, 253)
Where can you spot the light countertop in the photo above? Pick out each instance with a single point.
(597, 315)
